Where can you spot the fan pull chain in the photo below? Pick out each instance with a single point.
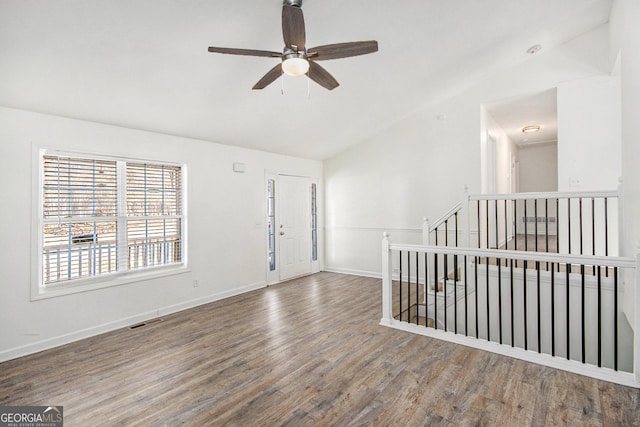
(308, 87)
(282, 82)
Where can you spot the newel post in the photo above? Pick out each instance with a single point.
(426, 241)
(466, 218)
(386, 281)
(425, 232)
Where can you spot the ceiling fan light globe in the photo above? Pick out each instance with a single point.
(295, 66)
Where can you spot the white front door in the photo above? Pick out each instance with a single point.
(294, 226)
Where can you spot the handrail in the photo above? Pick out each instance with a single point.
(611, 261)
(446, 216)
(544, 195)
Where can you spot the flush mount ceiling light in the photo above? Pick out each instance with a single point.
(529, 129)
(534, 49)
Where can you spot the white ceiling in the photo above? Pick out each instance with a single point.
(539, 109)
(144, 64)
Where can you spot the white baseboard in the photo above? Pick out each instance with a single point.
(210, 298)
(49, 343)
(352, 272)
(373, 274)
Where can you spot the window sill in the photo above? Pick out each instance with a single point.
(105, 281)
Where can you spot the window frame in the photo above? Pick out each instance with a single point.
(104, 280)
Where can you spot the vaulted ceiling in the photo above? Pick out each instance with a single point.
(144, 64)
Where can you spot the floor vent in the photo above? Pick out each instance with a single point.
(145, 323)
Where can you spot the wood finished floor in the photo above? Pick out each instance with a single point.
(306, 352)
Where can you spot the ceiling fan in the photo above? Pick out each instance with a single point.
(296, 59)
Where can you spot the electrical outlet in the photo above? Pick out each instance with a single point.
(575, 181)
(195, 283)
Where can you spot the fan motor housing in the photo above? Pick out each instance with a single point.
(289, 53)
(296, 3)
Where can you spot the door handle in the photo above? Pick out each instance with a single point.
(282, 233)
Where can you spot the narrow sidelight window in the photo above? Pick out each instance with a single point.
(314, 224)
(271, 221)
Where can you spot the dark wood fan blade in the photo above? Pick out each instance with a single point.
(322, 76)
(269, 78)
(293, 27)
(343, 50)
(248, 52)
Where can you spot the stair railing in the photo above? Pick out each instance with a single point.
(555, 253)
(564, 318)
(584, 223)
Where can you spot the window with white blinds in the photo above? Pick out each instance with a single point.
(153, 212)
(102, 216)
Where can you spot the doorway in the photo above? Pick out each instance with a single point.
(518, 161)
(291, 227)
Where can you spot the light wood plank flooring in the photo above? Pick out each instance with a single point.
(306, 352)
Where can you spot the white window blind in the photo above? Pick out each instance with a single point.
(97, 220)
(153, 209)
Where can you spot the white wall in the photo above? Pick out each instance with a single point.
(226, 229)
(419, 166)
(589, 144)
(537, 172)
(503, 149)
(496, 149)
(625, 40)
(390, 183)
(539, 167)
